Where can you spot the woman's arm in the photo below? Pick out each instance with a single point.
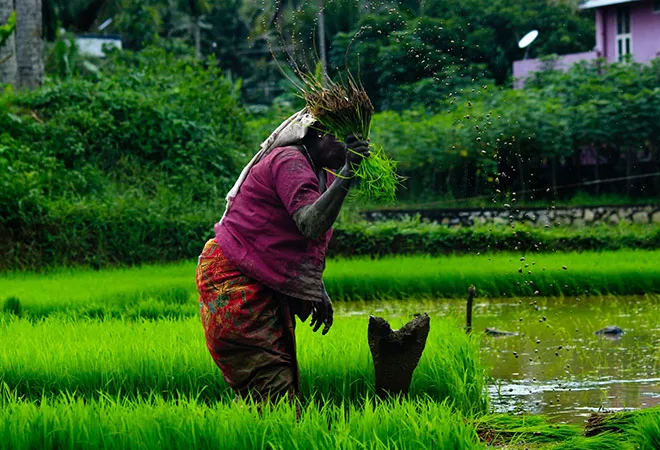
(316, 219)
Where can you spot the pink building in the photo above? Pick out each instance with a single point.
(623, 27)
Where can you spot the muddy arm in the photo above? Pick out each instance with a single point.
(316, 219)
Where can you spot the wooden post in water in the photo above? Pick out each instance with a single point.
(396, 352)
(468, 313)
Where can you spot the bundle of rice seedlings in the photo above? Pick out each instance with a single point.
(345, 108)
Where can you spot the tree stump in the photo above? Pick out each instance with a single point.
(396, 352)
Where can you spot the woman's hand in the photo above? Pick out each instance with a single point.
(356, 150)
(322, 314)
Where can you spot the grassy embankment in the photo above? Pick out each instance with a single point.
(169, 290)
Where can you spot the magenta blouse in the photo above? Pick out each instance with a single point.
(258, 234)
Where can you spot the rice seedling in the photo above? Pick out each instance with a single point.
(169, 358)
(378, 178)
(169, 290)
(500, 429)
(495, 275)
(538, 432)
(601, 442)
(646, 432)
(620, 422)
(342, 109)
(152, 423)
(68, 421)
(13, 306)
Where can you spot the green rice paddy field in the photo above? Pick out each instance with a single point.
(116, 359)
(162, 289)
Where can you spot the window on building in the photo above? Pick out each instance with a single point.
(623, 33)
(656, 6)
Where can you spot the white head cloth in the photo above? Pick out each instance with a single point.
(290, 132)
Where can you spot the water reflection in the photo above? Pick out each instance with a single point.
(556, 364)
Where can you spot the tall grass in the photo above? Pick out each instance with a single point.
(495, 275)
(169, 358)
(647, 431)
(107, 423)
(67, 421)
(601, 442)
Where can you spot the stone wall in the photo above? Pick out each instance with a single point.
(577, 216)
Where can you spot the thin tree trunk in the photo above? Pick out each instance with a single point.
(465, 179)
(198, 37)
(8, 64)
(324, 59)
(597, 172)
(521, 174)
(29, 44)
(656, 179)
(554, 177)
(628, 172)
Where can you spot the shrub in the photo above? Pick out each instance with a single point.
(125, 232)
(178, 118)
(416, 237)
(92, 170)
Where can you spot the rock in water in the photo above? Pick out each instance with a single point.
(495, 332)
(396, 352)
(610, 331)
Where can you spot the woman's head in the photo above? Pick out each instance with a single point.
(324, 149)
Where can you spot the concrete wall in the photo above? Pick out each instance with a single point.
(579, 216)
(522, 68)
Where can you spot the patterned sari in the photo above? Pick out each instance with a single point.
(249, 329)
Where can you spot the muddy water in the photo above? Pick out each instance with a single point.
(556, 365)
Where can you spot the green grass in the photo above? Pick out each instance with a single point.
(600, 442)
(157, 290)
(150, 422)
(496, 275)
(117, 424)
(647, 431)
(169, 358)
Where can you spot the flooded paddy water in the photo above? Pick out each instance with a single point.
(555, 364)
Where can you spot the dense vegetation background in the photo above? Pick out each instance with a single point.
(127, 159)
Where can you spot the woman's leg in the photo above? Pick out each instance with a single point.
(249, 330)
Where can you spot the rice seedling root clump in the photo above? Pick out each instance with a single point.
(344, 108)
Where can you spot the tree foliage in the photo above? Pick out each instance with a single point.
(409, 51)
(153, 129)
(533, 139)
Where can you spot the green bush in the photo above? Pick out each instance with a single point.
(104, 234)
(415, 237)
(100, 170)
(126, 232)
(176, 115)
